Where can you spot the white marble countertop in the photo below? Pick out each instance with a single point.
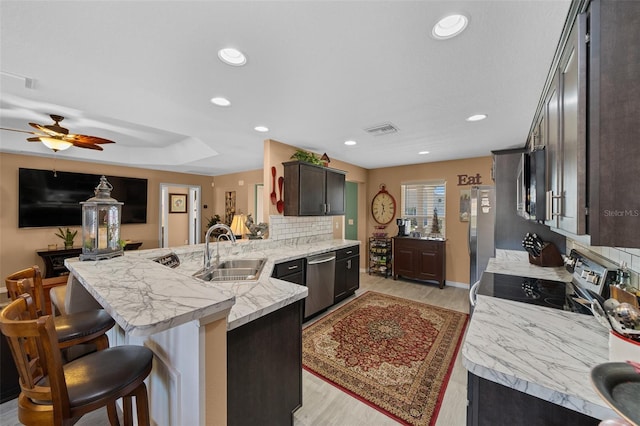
(544, 352)
(145, 297)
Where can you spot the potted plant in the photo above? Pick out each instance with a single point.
(307, 157)
(67, 236)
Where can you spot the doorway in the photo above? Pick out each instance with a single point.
(179, 226)
(351, 211)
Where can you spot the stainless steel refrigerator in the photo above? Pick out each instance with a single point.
(482, 221)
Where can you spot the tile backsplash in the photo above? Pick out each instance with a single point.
(287, 227)
(614, 254)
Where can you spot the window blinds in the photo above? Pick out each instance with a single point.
(419, 201)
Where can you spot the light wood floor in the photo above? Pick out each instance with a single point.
(324, 404)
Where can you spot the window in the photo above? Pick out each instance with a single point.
(420, 201)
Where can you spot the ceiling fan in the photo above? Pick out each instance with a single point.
(57, 138)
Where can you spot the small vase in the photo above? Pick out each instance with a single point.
(68, 245)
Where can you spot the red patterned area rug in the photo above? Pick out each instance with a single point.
(394, 354)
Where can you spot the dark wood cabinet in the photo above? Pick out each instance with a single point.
(264, 369)
(490, 404)
(419, 259)
(292, 271)
(347, 279)
(565, 108)
(311, 190)
(590, 109)
(614, 107)
(54, 260)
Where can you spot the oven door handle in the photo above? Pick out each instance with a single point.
(473, 293)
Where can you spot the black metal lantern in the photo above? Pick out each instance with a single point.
(101, 224)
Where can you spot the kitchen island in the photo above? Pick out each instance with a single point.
(541, 352)
(186, 321)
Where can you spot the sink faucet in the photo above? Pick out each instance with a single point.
(207, 254)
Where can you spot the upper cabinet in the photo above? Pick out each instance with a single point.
(588, 125)
(312, 190)
(565, 108)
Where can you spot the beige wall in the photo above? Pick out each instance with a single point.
(18, 245)
(243, 184)
(178, 222)
(456, 231)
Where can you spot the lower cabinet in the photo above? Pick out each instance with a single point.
(264, 369)
(419, 259)
(347, 279)
(491, 404)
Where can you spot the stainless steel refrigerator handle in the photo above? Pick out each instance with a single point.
(469, 237)
(473, 293)
(324, 260)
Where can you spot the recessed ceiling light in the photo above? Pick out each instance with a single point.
(232, 57)
(261, 129)
(449, 26)
(423, 152)
(220, 101)
(350, 143)
(477, 117)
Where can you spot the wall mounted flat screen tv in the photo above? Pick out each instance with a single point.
(45, 199)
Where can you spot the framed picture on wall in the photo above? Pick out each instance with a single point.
(177, 203)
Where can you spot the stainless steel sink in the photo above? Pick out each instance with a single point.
(233, 270)
(242, 263)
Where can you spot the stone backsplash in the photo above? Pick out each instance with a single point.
(288, 227)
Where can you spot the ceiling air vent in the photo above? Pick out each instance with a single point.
(382, 129)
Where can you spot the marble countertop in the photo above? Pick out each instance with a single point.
(145, 297)
(544, 352)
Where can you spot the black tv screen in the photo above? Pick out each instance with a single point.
(48, 199)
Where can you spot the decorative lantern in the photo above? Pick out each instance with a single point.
(101, 224)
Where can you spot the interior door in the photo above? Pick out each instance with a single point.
(351, 211)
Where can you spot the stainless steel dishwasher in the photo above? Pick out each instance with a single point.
(320, 282)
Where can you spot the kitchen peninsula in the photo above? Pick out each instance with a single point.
(537, 356)
(186, 321)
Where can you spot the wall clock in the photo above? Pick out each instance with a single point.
(383, 206)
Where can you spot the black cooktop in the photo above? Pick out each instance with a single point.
(534, 291)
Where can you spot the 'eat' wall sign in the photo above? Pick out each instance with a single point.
(469, 180)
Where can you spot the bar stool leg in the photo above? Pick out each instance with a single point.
(126, 408)
(142, 405)
(112, 411)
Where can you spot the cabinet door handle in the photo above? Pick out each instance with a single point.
(328, 208)
(292, 267)
(349, 264)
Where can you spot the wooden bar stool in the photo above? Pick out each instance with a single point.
(87, 327)
(53, 393)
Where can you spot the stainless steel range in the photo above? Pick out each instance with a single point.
(591, 278)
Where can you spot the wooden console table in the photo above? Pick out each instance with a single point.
(54, 260)
(419, 259)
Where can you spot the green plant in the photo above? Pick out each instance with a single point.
(213, 220)
(67, 236)
(308, 157)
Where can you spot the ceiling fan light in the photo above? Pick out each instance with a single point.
(55, 144)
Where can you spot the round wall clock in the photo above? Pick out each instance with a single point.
(383, 206)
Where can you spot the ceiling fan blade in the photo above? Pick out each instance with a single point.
(46, 130)
(87, 139)
(88, 146)
(16, 130)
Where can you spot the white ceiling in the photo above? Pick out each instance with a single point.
(319, 72)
